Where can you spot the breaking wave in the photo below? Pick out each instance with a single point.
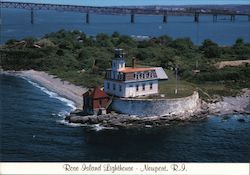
(98, 127)
(62, 113)
(64, 122)
(51, 94)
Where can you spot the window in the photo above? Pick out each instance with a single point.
(143, 76)
(151, 74)
(137, 87)
(120, 76)
(100, 102)
(134, 75)
(137, 76)
(114, 87)
(120, 88)
(108, 86)
(143, 87)
(151, 86)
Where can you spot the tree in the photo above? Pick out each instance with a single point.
(207, 43)
(212, 52)
(210, 49)
(65, 45)
(103, 40)
(30, 41)
(11, 41)
(165, 40)
(115, 35)
(239, 41)
(128, 41)
(182, 44)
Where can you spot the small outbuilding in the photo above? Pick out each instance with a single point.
(95, 101)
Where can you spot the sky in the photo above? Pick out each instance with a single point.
(135, 2)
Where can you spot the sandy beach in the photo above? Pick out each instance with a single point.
(54, 84)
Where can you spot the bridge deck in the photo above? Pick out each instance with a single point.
(118, 10)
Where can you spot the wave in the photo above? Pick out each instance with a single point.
(64, 122)
(98, 127)
(63, 113)
(51, 94)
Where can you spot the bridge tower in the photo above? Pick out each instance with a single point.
(32, 16)
(232, 18)
(215, 17)
(87, 18)
(165, 18)
(196, 17)
(132, 17)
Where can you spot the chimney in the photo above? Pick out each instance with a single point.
(133, 62)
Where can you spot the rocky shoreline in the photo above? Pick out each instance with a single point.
(231, 105)
(124, 121)
(228, 105)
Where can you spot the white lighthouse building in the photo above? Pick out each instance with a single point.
(125, 81)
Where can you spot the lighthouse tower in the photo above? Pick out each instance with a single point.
(118, 63)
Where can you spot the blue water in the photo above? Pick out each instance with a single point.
(33, 129)
(16, 24)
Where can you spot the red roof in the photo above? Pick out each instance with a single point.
(131, 69)
(96, 93)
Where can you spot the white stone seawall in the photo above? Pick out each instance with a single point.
(157, 107)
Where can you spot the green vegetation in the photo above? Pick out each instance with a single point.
(82, 60)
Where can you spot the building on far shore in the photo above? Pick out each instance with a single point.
(95, 100)
(122, 81)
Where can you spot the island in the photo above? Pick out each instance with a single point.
(198, 80)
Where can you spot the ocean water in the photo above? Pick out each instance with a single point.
(33, 129)
(16, 24)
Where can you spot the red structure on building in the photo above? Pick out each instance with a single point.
(94, 100)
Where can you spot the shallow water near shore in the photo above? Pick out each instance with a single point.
(33, 129)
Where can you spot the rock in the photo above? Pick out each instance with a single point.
(241, 120)
(149, 123)
(67, 117)
(93, 120)
(79, 119)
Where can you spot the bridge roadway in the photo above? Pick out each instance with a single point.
(132, 11)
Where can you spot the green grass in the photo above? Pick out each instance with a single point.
(214, 89)
(168, 87)
(206, 90)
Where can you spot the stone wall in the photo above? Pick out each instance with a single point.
(156, 107)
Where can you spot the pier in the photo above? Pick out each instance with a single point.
(132, 11)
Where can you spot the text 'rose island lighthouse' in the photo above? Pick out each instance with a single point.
(122, 81)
